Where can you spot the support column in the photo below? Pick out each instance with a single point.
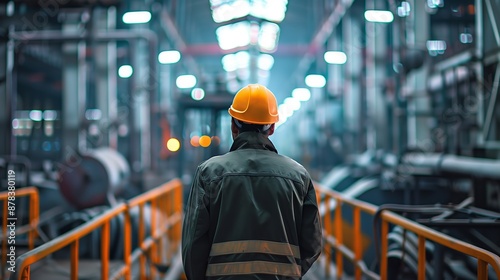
(74, 93)
(352, 90)
(417, 35)
(106, 78)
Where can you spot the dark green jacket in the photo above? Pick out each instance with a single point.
(251, 214)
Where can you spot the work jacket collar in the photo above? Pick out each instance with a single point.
(252, 140)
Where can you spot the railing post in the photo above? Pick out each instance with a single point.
(482, 270)
(127, 245)
(105, 250)
(338, 233)
(357, 242)
(74, 259)
(383, 247)
(421, 257)
(142, 233)
(152, 250)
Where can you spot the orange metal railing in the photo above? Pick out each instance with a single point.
(33, 216)
(165, 217)
(333, 236)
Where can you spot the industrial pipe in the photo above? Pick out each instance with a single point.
(480, 167)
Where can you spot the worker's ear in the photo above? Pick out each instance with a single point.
(271, 130)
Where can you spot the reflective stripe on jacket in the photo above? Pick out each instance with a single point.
(252, 214)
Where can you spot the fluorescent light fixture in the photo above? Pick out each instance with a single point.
(36, 115)
(404, 10)
(49, 115)
(229, 63)
(224, 10)
(466, 38)
(197, 94)
(292, 103)
(335, 57)
(301, 94)
(435, 3)
(379, 16)
(265, 62)
(436, 45)
(242, 59)
(233, 35)
(136, 17)
(185, 81)
(268, 36)
(125, 71)
(93, 114)
(315, 81)
(169, 57)
(285, 111)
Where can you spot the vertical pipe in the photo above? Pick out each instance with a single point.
(11, 95)
(74, 259)
(479, 68)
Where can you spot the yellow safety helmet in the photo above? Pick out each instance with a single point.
(255, 104)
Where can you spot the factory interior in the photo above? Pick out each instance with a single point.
(107, 107)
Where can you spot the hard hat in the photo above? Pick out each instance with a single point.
(255, 104)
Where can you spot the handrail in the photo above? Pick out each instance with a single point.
(164, 215)
(33, 216)
(333, 238)
(483, 256)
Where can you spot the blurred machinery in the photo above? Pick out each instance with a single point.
(93, 178)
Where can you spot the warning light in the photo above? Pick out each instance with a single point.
(205, 141)
(173, 144)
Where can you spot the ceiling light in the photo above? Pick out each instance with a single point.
(233, 35)
(335, 57)
(185, 81)
(292, 103)
(379, 16)
(315, 81)
(125, 71)
(229, 63)
(197, 94)
(265, 62)
(301, 94)
(169, 57)
(226, 10)
(136, 17)
(268, 36)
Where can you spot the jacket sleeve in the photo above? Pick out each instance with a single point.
(311, 233)
(195, 241)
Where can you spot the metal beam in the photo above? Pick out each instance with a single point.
(170, 29)
(321, 36)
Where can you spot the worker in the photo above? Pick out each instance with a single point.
(251, 213)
